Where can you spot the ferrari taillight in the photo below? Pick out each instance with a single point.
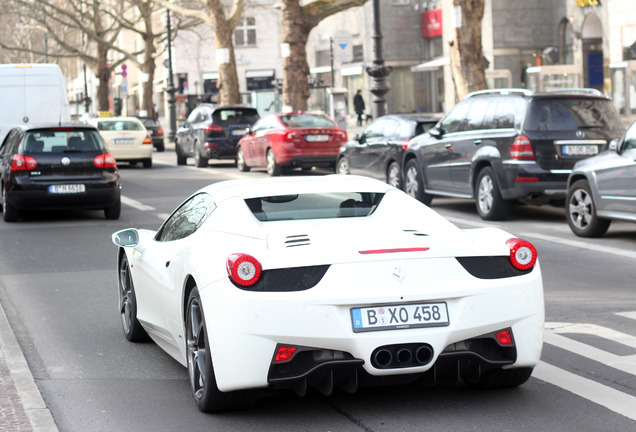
(504, 337)
(284, 353)
(523, 254)
(243, 269)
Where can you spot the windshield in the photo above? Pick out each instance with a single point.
(314, 205)
(62, 141)
(240, 115)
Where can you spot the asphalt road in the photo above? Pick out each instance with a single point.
(58, 288)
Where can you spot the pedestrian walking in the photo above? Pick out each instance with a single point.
(358, 106)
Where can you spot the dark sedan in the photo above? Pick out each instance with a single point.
(212, 133)
(57, 167)
(156, 132)
(377, 151)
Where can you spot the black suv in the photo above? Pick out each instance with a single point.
(506, 145)
(212, 133)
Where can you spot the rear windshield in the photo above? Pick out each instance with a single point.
(314, 205)
(119, 125)
(241, 115)
(572, 114)
(148, 121)
(63, 141)
(307, 120)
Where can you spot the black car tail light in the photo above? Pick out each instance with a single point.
(213, 129)
(23, 163)
(521, 148)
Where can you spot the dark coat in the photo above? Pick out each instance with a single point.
(358, 104)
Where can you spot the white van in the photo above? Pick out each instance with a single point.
(31, 93)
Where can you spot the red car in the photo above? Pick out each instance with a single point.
(297, 139)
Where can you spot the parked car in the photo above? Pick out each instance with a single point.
(212, 133)
(57, 167)
(156, 132)
(127, 139)
(287, 140)
(603, 188)
(378, 151)
(328, 281)
(510, 145)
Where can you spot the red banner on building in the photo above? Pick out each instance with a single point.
(431, 23)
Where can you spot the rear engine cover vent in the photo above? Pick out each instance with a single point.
(297, 240)
(416, 233)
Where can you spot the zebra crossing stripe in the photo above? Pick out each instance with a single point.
(607, 397)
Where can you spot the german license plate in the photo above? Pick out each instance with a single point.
(580, 150)
(67, 188)
(400, 317)
(122, 141)
(238, 132)
(317, 138)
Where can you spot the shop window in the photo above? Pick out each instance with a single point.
(245, 33)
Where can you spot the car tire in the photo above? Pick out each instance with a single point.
(147, 163)
(240, 161)
(414, 183)
(201, 373)
(580, 211)
(501, 378)
(161, 147)
(200, 161)
(9, 213)
(342, 166)
(181, 158)
(394, 175)
(489, 203)
(113, 212)
(273, 169)
(133, 330)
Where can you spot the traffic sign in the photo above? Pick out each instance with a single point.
(343, 46)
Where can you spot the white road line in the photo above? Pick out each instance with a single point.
(136, 204)
(631, 315)
(608, 397)
(553, 239)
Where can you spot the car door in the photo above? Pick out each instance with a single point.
(438, 154)
(361, 156)
(188, 132)
(261, 140)
(616, 183)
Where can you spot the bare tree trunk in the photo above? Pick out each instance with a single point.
(103, 75)
(228, 78)
(148, 66)
(295, 66)
(466, 54)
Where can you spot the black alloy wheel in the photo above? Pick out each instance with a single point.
(200, 161)
(394, 175)
(206, 394)
(181, 158)
(133, 330)
(9, 213)
(580, 211)
(489, 203)
(414, 184)
(113, 212)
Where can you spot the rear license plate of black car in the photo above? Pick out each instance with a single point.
(579, 150)
(67, 188)
(399, 317)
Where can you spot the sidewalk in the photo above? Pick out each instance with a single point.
(22, 408)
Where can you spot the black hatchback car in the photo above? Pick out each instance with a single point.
(510, 145)
(57, 167)
(212, 133)
(377, 152)
(156, 132)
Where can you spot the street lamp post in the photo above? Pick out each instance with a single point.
(172, 109)
(378, 70)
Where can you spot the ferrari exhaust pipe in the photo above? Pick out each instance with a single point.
(424, 354)
(404, 356)
(383, 358)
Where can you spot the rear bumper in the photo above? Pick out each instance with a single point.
(28, 195)
(123, 154)
(221, 148)
(530, 181)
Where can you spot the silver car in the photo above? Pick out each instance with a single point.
(603, 188)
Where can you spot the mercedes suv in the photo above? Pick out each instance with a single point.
(503, 146)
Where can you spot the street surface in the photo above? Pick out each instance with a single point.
(58, 286)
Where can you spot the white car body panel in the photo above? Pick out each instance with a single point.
(126, 145)
(244, 327)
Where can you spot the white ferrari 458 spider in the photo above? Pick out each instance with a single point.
(323, 282)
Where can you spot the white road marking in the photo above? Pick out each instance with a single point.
(136, 204)
(631, 315)
(608, 397)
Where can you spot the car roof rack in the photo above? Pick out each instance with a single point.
(501, 91)
(591, 91)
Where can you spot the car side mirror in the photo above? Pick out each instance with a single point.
(126, 238)
(436, 132)
(613, 145)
